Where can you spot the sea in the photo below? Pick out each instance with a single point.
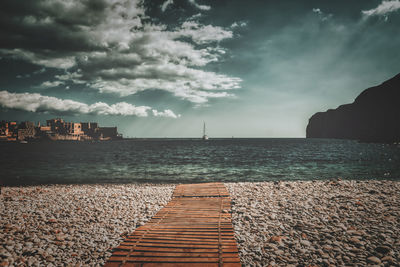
(195, 160)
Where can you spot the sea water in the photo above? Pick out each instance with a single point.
(195, 160)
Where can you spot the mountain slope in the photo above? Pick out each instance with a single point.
(374, 116)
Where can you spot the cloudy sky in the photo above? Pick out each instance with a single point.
(161, 68)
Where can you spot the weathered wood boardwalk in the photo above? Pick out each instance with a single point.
(194, 229)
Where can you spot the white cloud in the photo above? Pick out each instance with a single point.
(321, 14)
(19, 76)
(73, 77)
(121, 108)
(50, 84)
(39, 103)
(195, 16)
(201, 7)
(116, 48)
(49, 61)
(202, 34)
(187, 83)
(239, 24)
(166, 114)
(42, 70)
(166, 4)
(384, 8)
(317, 10)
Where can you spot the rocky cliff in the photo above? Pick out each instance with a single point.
(374, 116)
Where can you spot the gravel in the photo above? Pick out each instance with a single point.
(317, 223)
(72, 225)
(301, 223)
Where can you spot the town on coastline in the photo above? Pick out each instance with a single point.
(56, 129)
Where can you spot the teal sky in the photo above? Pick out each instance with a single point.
(161, 68)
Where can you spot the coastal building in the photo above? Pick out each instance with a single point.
(26, 130)
(57, 125)
(27, 133)
(57, 129)
(45, 128)
(3, 130)
(90, 129)
(74, 130)
(8, 131)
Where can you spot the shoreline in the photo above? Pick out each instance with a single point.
(173, 183)
(321, 222)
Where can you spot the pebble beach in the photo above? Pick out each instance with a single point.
(73, 225)
(317, 223)
(299, 223)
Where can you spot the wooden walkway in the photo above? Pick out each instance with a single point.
(194, 229)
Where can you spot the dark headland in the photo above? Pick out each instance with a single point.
(374, 116)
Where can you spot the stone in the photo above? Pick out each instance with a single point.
(325, 255)
(354, 240)
(388, 259)
(382, 249)
(95, 215)
(247, 217)
(50, 258)
(327, 247)
(76, 214)
(305, 242)
(374, 259)
(276, 238)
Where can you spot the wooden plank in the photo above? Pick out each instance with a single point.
(189, 246)
(178, 238)
(187, 230)
(180, 241)
(178, 265)
(174, 254)
(163, 259)
(193, 229)
(208, 236)
(172, 249)
(150, 264)
(186, 227)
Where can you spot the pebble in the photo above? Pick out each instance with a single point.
(388, 258)
(305, 243)
(300, 223)
(382, 249)
(374, 259)
(322, 222)
(72, 225)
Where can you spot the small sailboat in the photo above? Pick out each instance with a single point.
(205, 137)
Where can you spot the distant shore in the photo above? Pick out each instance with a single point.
(276, 223)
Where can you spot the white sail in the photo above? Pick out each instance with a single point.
(205, 137)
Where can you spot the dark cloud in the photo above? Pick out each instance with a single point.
(49, 27)
(113, 47)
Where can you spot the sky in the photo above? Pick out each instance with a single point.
(161, 68)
